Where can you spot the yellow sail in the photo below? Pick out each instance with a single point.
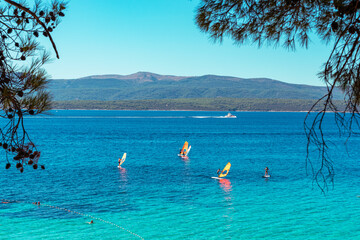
(184, 148)
(226, 170)
(122, 159)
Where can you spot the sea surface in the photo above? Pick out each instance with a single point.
(157, 195)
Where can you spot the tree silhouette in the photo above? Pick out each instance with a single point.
(22, 78)
(288, 23)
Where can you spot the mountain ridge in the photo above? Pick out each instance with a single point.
(139, 75)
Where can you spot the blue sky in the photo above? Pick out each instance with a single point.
(160, 36)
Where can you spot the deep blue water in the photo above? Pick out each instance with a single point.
(157, 195)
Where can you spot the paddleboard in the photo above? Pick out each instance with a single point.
(266, 176)
(217, 178)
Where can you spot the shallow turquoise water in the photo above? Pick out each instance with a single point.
(159, 196)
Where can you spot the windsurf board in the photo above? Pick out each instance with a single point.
(217, 178)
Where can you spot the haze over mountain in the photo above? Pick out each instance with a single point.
(146, 85)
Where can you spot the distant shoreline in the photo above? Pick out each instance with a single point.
(197, 104)
(169, 110)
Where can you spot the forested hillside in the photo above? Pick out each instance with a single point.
(217, 104)
(144, 85)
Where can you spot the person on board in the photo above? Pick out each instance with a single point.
(119, 161)
(266, 171)
(218, 172)
(183, 153)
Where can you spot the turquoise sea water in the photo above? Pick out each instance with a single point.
(157, 195)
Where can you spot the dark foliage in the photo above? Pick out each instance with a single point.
(22, 78)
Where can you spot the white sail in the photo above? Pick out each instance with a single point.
(122, 159)
(187, 152)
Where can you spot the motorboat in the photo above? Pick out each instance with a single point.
(229, 115)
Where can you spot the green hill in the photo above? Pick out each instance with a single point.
(144, 85)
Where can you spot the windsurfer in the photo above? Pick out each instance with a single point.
(184, 150)
(266, 171)
(218, 171)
